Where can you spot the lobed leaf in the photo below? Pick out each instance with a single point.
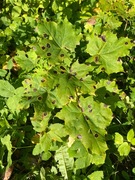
(107, 49)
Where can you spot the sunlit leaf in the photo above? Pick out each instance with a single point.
(107, 49)
(96, 175)
(124, 149)
(6, 89)
(87, 121)
(130, 135)
(65, 163)
(6, 140)
(118, 139)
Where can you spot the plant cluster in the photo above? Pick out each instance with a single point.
(67, 89)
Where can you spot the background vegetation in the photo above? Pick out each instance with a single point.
(67, 89)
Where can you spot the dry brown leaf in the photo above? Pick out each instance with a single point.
(92, 21)
(8, 173)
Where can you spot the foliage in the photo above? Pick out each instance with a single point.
(67, 89)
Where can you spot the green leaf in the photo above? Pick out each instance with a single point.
(82, 78)
(133, 141)
(65, 163)
(16, 11)
(130, 135)
(87, 121)
(83, 162)
(3, 72)
(42, 173)
(133, 170)
(58, 44)
(6, 89)
(107, 49)
(124, 149)
(64, 91)
(41, 116)
(46, 155)
(77, 149)
(57, 131)
(43, 145)
(98, 175)
(13, 103)
(6, 140)
(118, 139)
(27, 61)
(59, 32)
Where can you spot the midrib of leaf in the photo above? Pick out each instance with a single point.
(53, 35)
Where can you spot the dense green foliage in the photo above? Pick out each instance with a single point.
(67, 89)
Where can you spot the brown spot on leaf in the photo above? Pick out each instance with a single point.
(53, 102)
(49, 54)
(42, 80)
(34, 89)
(48, 45)
(89, 106)
(81, 79)
(29, 98)
(39, 98)
(79, 136)
(96, 59)
(43, 47)
(61, 55)
(102, 37)
(91, 21)
(103, 69)
(96, 135)
(90, 110)
(45, 35)
(44, 114)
